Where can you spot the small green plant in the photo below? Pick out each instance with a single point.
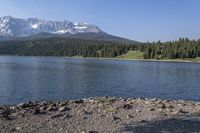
(106, 100)
(112, 109)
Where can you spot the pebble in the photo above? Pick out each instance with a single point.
(170, 107)
(36, 111)
(154, 99)
(66, 116)
(138, 111)
(127, 106)
(89, 131)
(151, 109)
(18, 128)
(182, 111)
(51, 108)
(114, 118)
(56, 115)
(44, 103)
(6, 114)
(25, 105)
(92, 131)
(142, 120)
(62, 109)
(43, 108)
(63, 103)
(162, 106)
(79, 101)
(129, 116)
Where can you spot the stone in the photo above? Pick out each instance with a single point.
(151, 109)
(147, 102)
(100, 105)
(115, 118)
(18, 128)
(44, 103)
(182, 111)
(129, 116)
(51, 108)
(169, 110)
(88, 112)
(13, 108)
(62, 109)
(92, 131)
(56, 115)
(142, 120)
(91, 100)
(36, 111)
(153, 99)
(43, 108)
(66, 116)
(63, 103)
(127, 106)
(6, 114)
(197, 104)
(170, 107)
(162, 106)
(22, 105)
(79, 101)
(166, 101)
(53, 104)
(25, 105)
(138, 111)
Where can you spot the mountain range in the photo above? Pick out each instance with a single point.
(35, 28)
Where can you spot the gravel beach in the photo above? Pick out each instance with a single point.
(102, 115)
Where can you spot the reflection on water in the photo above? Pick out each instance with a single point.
(41, 78)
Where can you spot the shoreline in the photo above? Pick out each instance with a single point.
(119, 59)
(147, 60)
(102, 114)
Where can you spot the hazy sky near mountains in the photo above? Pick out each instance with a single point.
(141, 20)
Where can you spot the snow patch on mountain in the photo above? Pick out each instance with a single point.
(10, 26)
(34, 26)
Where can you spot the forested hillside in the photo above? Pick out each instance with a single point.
(183, 48)
(65, 47)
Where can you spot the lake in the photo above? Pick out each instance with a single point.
(54, 78)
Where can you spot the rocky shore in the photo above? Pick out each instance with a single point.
(101, 115)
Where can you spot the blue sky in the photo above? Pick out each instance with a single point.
(141, 20)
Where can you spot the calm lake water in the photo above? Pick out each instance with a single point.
(48, 78)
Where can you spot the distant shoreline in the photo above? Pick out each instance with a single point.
(148, 60)
(120, 59)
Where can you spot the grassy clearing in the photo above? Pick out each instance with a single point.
(140, 55)
(132, 55)
(137, 55)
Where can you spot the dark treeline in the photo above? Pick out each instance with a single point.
(65, 47)
(183, 48)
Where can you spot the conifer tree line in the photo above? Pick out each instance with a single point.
(183, 48)
(65, 47)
